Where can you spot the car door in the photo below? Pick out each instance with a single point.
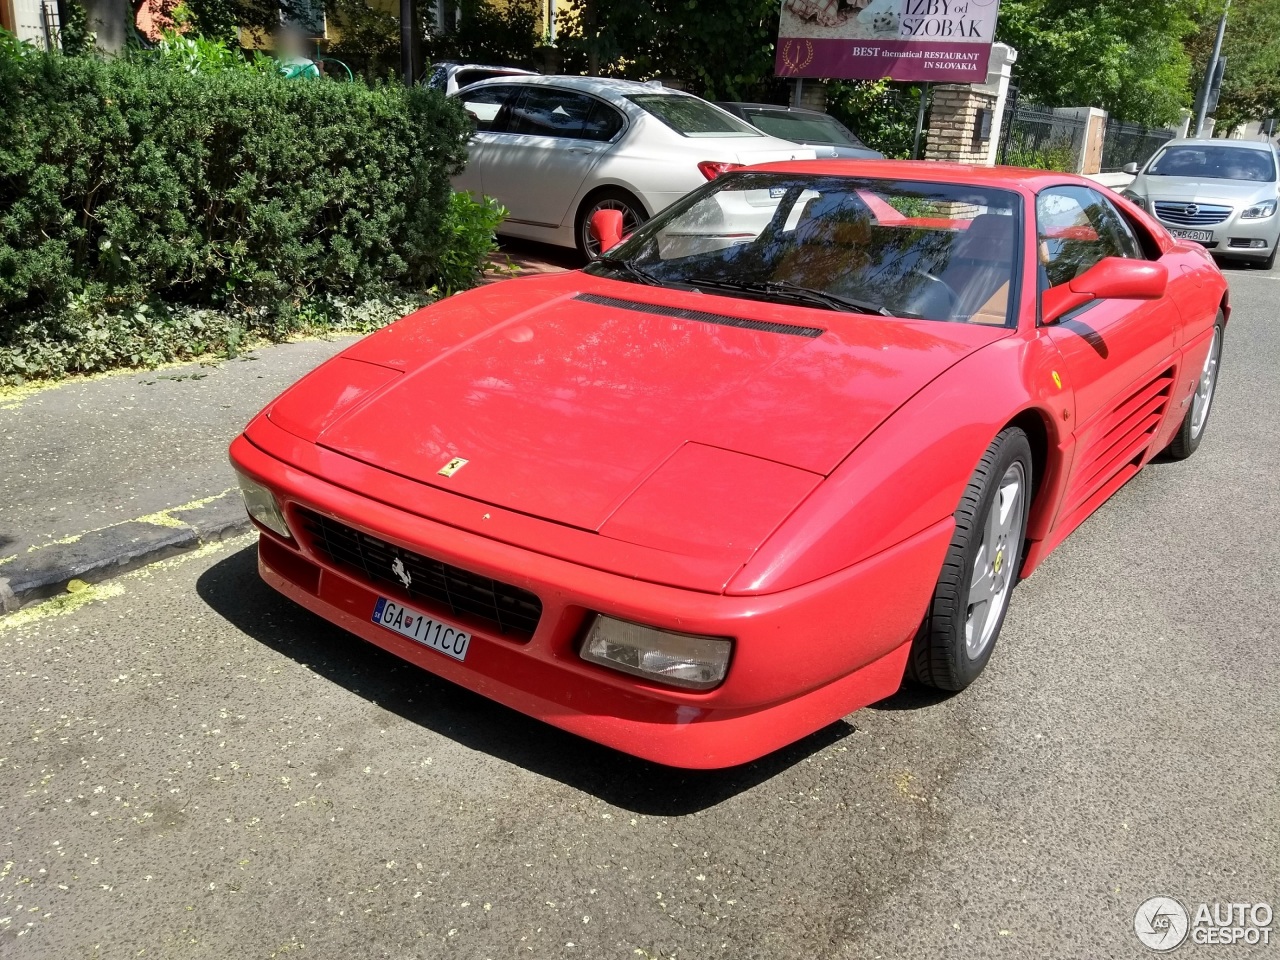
(487, 106)
(552, 139)
(1118, 355)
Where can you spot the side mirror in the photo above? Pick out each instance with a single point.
(606, 227)
(1111, 278)
(1130, 168)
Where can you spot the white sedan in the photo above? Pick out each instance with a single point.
(553, 150)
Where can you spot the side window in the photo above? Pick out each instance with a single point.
(1076, 227)
(603, 123)
(1109, 223)
(548, 112)
(486, 105)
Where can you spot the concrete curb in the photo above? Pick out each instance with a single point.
(44, 571)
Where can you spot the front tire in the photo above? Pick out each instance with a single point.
(969, 603)
(611, 198)
(1191, 432)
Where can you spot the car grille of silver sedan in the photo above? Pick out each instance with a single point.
(461, 592)
(1191, 214)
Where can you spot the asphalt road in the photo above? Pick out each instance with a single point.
(192, 767)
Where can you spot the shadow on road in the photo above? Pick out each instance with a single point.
(233, 589)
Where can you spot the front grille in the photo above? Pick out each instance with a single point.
(1191, 214)
(437, 584)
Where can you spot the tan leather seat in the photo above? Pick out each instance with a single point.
(980, 270)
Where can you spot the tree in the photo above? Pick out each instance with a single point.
(721, 50)
(1251, 82)
(1126, 56)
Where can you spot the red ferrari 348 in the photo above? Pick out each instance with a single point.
(796, 437)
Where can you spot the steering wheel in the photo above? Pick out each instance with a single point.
(934, 300)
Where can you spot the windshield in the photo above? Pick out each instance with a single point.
(932, 251)
(802, 128)
(1214, 163)
(691, 117)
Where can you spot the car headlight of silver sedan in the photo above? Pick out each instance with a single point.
(1259, 210)
(1134, 198)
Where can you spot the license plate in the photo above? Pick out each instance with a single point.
(418, 627)
(1200, 236)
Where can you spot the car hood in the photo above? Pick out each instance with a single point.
(1228, 192)
(692, 423)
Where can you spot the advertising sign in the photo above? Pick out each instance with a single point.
(943, 41)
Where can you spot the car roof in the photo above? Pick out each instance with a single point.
(1218, 142)
(932, 171)
(514, 71)
(770, 106)
(603, 86)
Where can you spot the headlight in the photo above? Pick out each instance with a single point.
(263, 506)
(1259, 210)
(1134, 198)
(680, 659)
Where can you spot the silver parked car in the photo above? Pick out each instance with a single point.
(1220, 193)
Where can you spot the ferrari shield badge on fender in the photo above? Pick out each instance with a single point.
(452, 467)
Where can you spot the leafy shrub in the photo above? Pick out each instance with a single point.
(88, 337)
(882, 115)
(128, 182)
(1058, 154)
(469, 228)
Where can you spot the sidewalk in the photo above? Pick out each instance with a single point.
(100, 475)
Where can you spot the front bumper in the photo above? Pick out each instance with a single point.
(802, 658)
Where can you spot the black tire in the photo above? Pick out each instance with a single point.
(941, 655)
(1270, 262)
(1187, 440)
(633, 215)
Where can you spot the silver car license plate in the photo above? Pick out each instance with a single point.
(1200, 236)
(417, 626)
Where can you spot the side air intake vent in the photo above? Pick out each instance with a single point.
(701, 316)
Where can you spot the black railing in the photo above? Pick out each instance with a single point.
(1042, 138)
(1131, 143)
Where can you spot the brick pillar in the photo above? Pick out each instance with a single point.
(813, 95)
(960, 123)
(964, 120)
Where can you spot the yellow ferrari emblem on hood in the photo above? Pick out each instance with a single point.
(452, 467)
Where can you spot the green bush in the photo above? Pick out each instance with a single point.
(131, 182)
(882, 115)
(1058, 154)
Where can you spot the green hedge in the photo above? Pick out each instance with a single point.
(126, 182)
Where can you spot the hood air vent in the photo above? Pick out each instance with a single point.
(700, 315)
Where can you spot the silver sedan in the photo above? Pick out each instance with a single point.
(1220, 193)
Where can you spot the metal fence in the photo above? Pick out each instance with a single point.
(1131, 143)
(1042, 137)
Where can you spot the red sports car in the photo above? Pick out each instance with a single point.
(799, 435)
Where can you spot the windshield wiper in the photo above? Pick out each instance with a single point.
(786, 290)
(630, 269)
